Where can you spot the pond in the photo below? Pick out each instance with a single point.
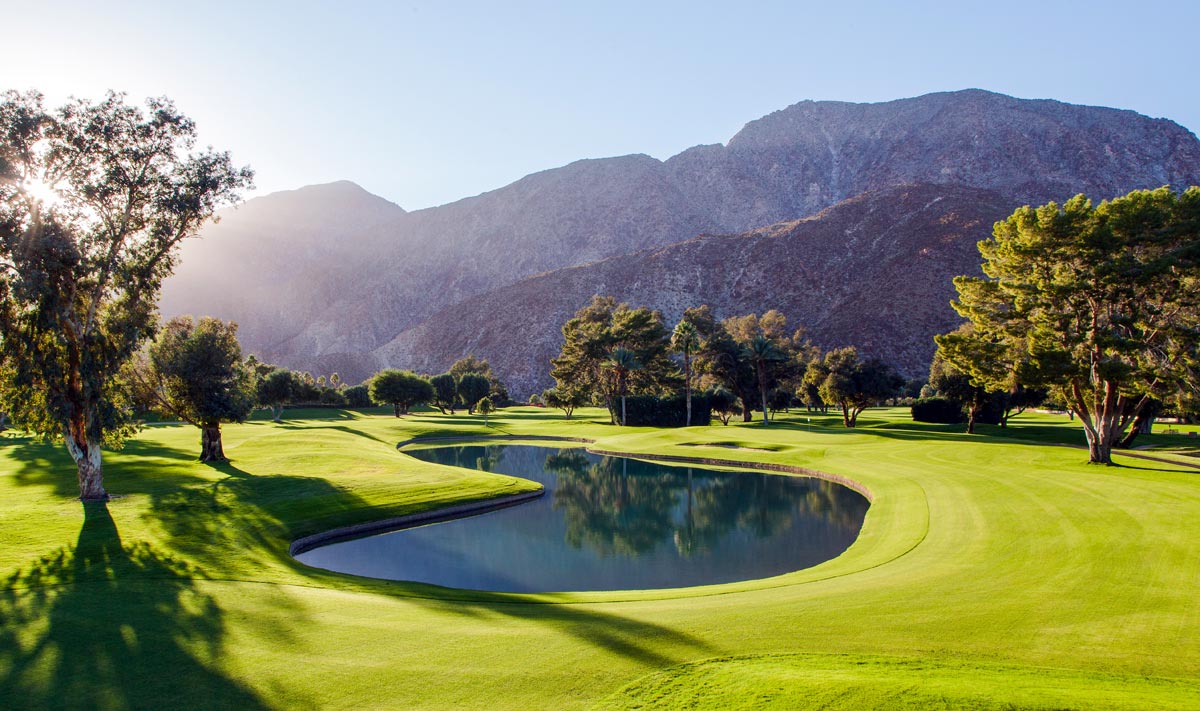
(612, 523)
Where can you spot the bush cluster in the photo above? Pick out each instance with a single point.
(651, 411)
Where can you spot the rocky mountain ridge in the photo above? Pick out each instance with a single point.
(327, 292)
(846, 275)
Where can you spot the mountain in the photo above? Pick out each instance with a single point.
(873, 271)
(327, 300)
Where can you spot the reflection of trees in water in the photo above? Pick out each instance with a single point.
(614, 506)
(623, 506)
(108, 625)
(480, 458)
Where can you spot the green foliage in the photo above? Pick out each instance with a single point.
(277, 388)
(199, 370)
(565, 399)
(400, 389)
(485, 408)
(722, 402)
(852, 384)
(83, 274)
(445, 391)
(938, 410)
(1100, 302)
(654, 411)
(471, 388)
(591, 337)
(358, 396)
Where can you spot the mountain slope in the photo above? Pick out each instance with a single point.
(873, 271)
(324, 300)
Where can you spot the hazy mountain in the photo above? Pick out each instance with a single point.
(321, 291)
(873, 271)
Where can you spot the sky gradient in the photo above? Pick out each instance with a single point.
(426, 103)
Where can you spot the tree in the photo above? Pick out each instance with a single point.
(952, 383)
(485, 408)
(445, 391)
(400, 389)
(564, 399)
(724, 403)
(1102, 299)
(762, 351)
(623, 362)
(852, 384)
(472, 387)
(589, 339)
(276, 390)
(198, 375)
(358, 396)
(82, 271)
(685, 339)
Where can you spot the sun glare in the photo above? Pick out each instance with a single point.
(41, 191)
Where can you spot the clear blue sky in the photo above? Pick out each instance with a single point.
(425, 103)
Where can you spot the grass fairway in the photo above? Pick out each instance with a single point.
(993, 572)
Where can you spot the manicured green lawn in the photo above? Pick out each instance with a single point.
(993, 572)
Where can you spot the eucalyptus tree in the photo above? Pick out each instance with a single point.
(685, 339)
(622, 361)
(94, 201)
(196, 373)
(1103, 299)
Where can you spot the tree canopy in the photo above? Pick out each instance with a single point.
(402, 389)
(1101, 299)
(198, 375)
(852, 384)
(94, 201)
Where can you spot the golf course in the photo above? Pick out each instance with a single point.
(993, 571)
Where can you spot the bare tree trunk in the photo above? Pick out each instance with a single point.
(277, 413)
(687, 385)
(762, 391)
(210, 443)
(971, 412)
(89, 472)
(846, 419)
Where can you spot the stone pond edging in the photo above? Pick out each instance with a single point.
(395, 523)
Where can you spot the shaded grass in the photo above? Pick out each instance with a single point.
(985, 561)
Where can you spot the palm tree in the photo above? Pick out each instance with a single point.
(762, 351)
(684, 340)
(622, 361)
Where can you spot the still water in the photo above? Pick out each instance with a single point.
(611, 523)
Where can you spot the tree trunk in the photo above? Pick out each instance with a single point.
(396, 408)
(971, 412)
(85, 452)
(1141, 425)
(277, 413)
(623, 420)
(762, 391)
(846, 419)
(687, 386)
(747, 411)
(210, 443)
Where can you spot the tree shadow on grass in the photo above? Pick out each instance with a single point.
(102, 624)
(644, 642)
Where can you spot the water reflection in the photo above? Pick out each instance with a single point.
(613, 523)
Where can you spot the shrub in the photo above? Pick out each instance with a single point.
(939, 410)
(651, 411)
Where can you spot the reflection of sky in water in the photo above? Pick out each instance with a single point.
(609, 523)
